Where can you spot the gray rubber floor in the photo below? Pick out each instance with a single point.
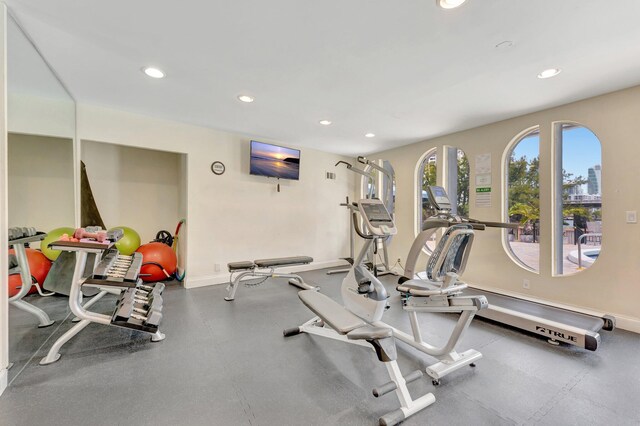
(226, 363)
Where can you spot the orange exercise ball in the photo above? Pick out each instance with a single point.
(39, 267)
(156, 257)
(14, 282)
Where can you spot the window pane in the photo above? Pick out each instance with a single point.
(427, 177)
(458, 180)
(523, 200)
(581, 199)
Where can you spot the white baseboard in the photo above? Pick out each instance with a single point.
(223, 277)
(4, 374)
(627, 323)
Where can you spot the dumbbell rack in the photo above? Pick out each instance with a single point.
(19, 245)
(113, 286)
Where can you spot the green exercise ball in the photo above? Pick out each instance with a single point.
(54, 235)
(129, 242)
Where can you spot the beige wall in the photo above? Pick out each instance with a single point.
(235, 216)
(134, 187)
(41, 189)
(612, 284)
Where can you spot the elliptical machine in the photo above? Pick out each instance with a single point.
(379, 183)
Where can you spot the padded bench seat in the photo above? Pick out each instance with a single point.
(241, 266)
(415, 287)
(283, 261)
(248, 265)
(331, 312)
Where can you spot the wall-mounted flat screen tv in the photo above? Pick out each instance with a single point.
(274, 161)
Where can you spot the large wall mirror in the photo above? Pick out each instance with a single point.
(41, 180)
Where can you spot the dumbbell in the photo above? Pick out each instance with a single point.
(115, 234)
(14, 234)
(27, 231)
(21, 232)
(145, 312)
(157, 288)
(142, 299)
(152, 318)
(145, 292)
(100, 236)
(153, 302)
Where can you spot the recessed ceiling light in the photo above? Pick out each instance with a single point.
(153, 72)
(449, 4)
(325, 122)
(551, 72)
(370, 135)
(246, 98)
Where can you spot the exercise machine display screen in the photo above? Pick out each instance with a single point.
(377, 218)
(439, 198)
(376, 212)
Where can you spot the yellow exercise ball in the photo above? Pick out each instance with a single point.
(54, 235)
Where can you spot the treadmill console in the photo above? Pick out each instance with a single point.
(377, 217)
(438, 198)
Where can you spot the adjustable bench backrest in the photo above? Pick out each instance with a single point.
(451, 253)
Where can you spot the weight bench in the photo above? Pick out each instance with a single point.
(266, 268)
(336, 322)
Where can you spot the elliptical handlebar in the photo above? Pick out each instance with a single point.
(347, 203)
(364, 173)
(477, 226)
(487, 224)
(358, 229)
(443, 220)
(373, 165)
(349, 166)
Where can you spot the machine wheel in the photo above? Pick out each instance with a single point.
(473, 364)
(435, 382)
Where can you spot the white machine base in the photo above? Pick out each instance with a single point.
(440, 369)
(157, 337)
(50, 359)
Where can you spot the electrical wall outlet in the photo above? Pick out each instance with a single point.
(216, 267)
(526, 284)
(632, 216)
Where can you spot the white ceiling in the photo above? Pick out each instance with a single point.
(404, 70)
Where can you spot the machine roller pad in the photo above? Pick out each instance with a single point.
(241, 266)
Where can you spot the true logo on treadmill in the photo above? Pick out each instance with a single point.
(556, 334)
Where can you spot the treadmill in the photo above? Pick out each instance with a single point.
(556, 324)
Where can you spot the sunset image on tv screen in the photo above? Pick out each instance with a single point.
(274, 161)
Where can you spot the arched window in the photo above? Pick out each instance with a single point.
(426, 176)
(523, 198)
(381, 184)
(577, 198)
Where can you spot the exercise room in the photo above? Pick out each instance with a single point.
(353, 213)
